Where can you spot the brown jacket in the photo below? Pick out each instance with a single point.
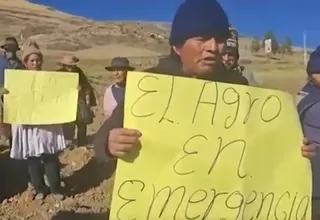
(85, 87)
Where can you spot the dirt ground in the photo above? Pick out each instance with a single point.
(87, 182)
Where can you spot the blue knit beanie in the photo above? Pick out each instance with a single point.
(314, 62)
(199, 18)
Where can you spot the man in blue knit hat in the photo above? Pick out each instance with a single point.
(198, 34)
(199, 31)
(309, 113)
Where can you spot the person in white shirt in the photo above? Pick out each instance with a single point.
(115, 92)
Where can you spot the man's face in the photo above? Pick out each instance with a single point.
(228, 59)
(200, 56)
(11, 48)
(120, 75)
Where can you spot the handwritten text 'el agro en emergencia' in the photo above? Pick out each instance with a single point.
(267, 108)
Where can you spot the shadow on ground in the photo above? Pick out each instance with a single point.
(89, 176)
(70, 215)
(14, 175)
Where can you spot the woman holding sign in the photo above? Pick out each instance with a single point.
(39, 144)
(86, 101)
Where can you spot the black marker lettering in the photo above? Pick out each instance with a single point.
(34, 84)
(128, 200)
(42, 98)
(215, 196)
(214, 103)
(168, 104)
(170, 193)
(276, 114)
(58, 99)
(145, 92)
(248, 201)
(229, 204)
(230, 144)
(264, 197)
(292, 206)
(186, 154)
(250, 107)
(236, 101)
(305, 210)
(173, 200)
(203, 197)
(277, 204)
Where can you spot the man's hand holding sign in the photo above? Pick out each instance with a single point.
(219, 152)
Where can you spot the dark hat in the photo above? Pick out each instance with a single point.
(230, 50)
(9, 42)
(231, 43)
(199, 18)
(233, 33)
(314, 62)
(120, 63)
(231, 47)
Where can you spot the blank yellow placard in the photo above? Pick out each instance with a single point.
(40, 97)
(224, 151)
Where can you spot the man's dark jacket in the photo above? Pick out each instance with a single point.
(86, 87)
(14, 63)
(165, 66)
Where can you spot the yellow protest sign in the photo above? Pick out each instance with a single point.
(40, 97)
(211, 151)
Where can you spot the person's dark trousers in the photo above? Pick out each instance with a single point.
(82, 134)
(52, 169)
(36, 173)
(69, 130)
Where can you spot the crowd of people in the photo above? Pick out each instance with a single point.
(40, 145)
(203, 46)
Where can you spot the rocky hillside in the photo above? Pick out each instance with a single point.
(56, 31)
